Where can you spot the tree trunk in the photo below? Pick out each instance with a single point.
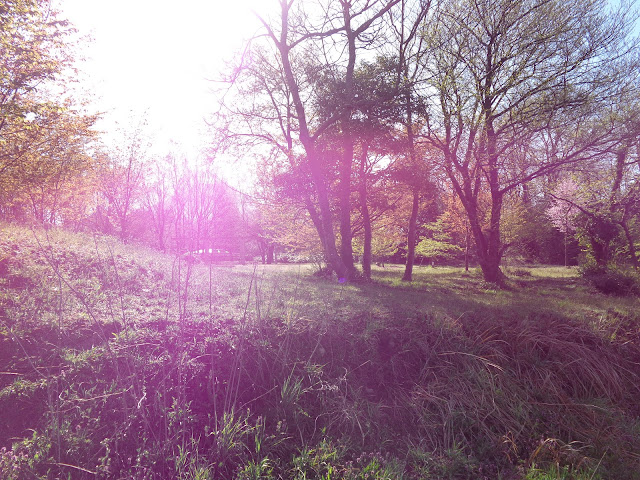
(346, 161)
(491, 255)
(325, 226)
(411, 237)
(488, 246)
(413, 220)
(366, 218)
(326, 222)
(346, 247)
(467, 240)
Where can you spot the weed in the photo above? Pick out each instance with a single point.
(118, 362)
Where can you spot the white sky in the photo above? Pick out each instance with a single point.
(154, 58)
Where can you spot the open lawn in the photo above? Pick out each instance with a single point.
(120, 362)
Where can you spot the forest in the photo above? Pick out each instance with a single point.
(434, 273)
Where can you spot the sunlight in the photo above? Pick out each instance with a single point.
(156, 59)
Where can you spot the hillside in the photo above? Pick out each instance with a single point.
(120, 362)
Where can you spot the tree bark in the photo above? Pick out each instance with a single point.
(346, 246)
(411, 237)
(413, 219)
(366, 217)
(346, 160)
(308, 141)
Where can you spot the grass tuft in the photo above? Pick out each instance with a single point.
(119, 362)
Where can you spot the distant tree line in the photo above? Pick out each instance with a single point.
(54, 169)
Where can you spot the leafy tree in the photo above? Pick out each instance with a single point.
(42, 138)
(519, 89)
(415, 171)
(456, 224)
(304, 46)
(53, 180)
(563, 213)
(438, 245)
(603, 208)
(407, 23)
(34, 51)
(374, 143)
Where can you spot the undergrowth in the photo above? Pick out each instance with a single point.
(117, 362)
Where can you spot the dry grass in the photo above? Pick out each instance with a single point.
(126, 363)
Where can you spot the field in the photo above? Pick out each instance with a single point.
(119, 362)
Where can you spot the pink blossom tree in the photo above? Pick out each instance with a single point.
(563, 209)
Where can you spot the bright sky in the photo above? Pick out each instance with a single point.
(155, 57)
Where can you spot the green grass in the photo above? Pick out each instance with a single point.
(120, 362)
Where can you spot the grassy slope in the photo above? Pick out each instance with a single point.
(119, 362)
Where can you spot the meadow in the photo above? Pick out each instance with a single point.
(120, 362)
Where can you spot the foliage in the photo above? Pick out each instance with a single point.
(602, 210)
(120, 362)
(612, 280)
(34, 51)
(497, 99)
(562, 210)
(438, 246)
(53, 182)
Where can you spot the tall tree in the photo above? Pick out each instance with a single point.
(408, 23)
(309, 42)
(510, 74)
(157, 199)
(603, 207)
(34, 50)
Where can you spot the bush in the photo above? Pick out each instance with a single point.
(612, 280)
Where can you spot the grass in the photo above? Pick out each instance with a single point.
(120, 362)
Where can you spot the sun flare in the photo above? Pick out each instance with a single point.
(152, 59)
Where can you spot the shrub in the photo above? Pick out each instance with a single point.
(612, 280)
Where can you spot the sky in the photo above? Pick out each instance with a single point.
(155, 60)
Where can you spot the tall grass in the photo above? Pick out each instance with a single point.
(119, 362)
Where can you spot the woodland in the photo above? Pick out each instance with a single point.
(435, 273)
(375, 131)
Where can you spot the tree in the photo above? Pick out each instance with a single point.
(379, 196)
(415, 170)
(33, 53)
(53, 179)
(122, 179)
(562, 210)
(157, 200)
(304, 46)
(519, 89)
(603, 209)
(201, 210)
(42, 138)
(374, 144)
(456, 224)
(407, 24)
(438, 245)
